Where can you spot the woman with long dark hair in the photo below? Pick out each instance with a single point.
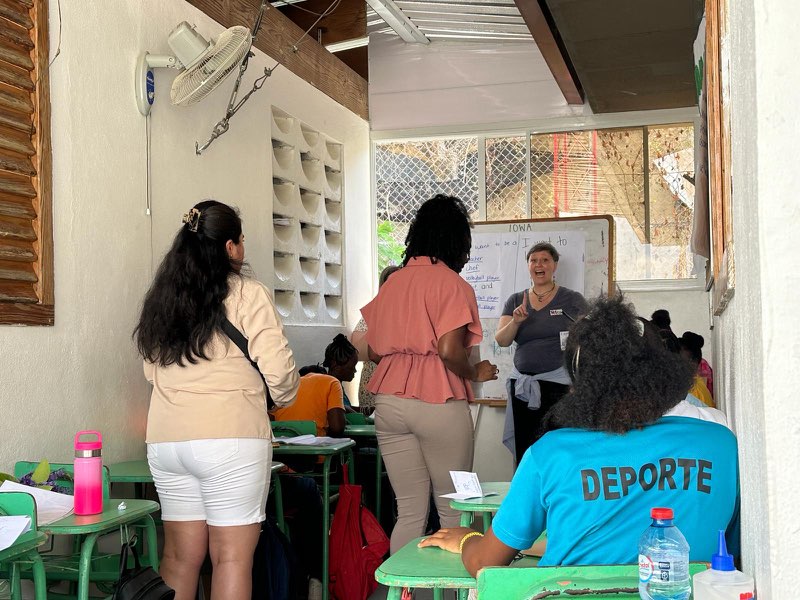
(610, 456)
(421, 328)
(208, 433)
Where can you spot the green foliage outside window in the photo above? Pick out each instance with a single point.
(390, 252)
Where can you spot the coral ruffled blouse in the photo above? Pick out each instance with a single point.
(415, 307)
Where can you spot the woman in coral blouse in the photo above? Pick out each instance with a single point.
(421, 328)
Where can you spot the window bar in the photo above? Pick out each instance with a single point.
(529, 190)
(482, 211)
(646, 173)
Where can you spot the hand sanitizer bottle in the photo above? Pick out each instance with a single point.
(722, 581)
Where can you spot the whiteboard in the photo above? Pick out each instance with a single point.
(497, 269)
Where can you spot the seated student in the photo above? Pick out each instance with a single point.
(691, 348)
(341, 358)
(319, 399)
(610, 457)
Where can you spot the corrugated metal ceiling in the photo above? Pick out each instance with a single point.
(459, 20)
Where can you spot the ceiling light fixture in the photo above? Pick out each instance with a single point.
(397, 20)
(347, 44)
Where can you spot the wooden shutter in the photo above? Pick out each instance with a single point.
(26, 237)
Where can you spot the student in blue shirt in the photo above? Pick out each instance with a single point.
(610, 456)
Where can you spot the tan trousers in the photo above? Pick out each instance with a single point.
(420, 444)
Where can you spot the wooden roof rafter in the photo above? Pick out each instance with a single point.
(309, 61)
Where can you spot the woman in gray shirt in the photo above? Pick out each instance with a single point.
(538, 319)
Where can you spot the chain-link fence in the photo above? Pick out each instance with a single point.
(554, 175)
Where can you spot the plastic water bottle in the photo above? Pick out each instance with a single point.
(663, 560)
(88, 474)
(722, 581)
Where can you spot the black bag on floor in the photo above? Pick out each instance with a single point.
(275, 569)
(139, 583)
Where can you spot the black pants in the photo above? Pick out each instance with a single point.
(302, 506)
(528, 423)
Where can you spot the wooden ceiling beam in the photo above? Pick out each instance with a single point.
(347, 22)
(310, 61)
(546, 39)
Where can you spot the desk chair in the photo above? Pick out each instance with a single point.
(606, 582)
(23, 552)
(293, 428)
(355, 419)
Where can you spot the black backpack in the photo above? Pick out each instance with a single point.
(275, 569)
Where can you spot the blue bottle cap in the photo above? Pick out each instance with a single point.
(722, 561)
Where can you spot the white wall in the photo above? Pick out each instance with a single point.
(83, 372)
(757, 341)
(689, 310)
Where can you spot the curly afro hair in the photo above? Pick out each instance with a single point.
(623, 376)
(440, 230)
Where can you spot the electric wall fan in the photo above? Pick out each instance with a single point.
(204, 64)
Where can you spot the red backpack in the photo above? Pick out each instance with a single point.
(357, 546)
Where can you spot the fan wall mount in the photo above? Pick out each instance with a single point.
(203, 64)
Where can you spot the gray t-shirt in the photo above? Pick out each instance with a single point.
(539, 336)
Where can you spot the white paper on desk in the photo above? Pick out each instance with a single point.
(311, 440)
(467, 486)
(11, 528)
(50, 506)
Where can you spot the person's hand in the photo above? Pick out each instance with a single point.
(446, 539)
(485, 371)
(521, 312)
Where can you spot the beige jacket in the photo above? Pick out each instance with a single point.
(224, 397)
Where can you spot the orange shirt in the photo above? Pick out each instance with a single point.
(414, 308)
(317, 395)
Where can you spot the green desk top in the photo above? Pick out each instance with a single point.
(595, 582)
(110, 518)
(297, 450)
(428, 568)
(485, 504)
(360, 430)
(132, 471)
(138, 471)
(27, 541)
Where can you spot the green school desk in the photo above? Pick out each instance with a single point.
(486, 505)
(342, 449)
(606, 582)
(24, 549)
(91, 527)
(367, 431)
(430, 568)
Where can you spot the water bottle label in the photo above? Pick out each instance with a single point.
(645, 568)
(660, 570)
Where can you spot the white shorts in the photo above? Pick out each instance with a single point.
(223, 482)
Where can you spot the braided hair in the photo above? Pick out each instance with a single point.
(338, 352)
(441, 231)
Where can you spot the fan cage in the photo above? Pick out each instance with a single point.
(225, 55)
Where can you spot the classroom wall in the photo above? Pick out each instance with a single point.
(83, 373)
(757, 343)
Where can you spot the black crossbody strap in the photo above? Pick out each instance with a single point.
(241, 342)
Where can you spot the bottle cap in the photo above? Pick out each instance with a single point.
(96, 444)
(661, 513)
(722, 561)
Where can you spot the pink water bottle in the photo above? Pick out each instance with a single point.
(88, 474)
